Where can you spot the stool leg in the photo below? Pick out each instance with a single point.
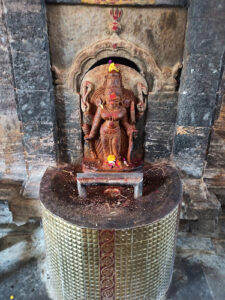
(81, 189)
(138, 189)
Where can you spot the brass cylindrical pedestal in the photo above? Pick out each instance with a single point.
(126, 262)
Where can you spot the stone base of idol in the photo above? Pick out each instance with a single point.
(110, 245)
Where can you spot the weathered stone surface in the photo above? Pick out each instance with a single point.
(159, 30)
(6, 80)
(214, 174)
(207, 9)
(160, 125)
(31, 71)
(30, 283)
(199, 81)
(190, 149)
(197, 109)
(200, 74)
(22, 6)
(12, 164)
(28, 45)
(216, 153)
(204, 227)
(5, 213)
(189, 244)
(39, 142)
(198, 203)
(22, 209)
(158, 140)
(32, 185)
(31, 23)
(211, 33)
(69, 125)
(7, 101)
(216, 281)
(162, 107)
(35, 106)
(189, 282)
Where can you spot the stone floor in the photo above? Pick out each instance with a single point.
(199, 272)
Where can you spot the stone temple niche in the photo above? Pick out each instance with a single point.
(110, 217)
(149, 41)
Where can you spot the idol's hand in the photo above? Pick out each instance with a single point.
(88, 137)
(132, 131)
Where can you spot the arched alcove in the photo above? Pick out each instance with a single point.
(114, 48)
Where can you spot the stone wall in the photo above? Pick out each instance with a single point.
(204, 48)
(179, 125)
(198, 102)
(27, 118)
(159, 31)
(214, 174)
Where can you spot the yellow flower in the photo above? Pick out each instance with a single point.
(112, 67)
(111, 158)
(11, 297)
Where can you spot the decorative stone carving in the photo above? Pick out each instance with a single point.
(114, 46)
(163, 81)
(109, 118)
(142, 97)
(116, 14)
(60, 76)
(169, 77)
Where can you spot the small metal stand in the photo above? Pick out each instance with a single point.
(134, 179)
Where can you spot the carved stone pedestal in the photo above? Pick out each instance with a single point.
(100, 247)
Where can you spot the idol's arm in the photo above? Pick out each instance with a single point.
(95, 125)
(129, 128)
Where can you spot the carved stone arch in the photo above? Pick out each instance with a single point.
(113, 47)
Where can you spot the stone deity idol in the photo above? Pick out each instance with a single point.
(112, 128)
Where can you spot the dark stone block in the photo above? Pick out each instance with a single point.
(39, 141)
(159, 130)
(69, 125)
(200, 75)
(190, 147)
(25, 25)
(188, 282)
(37, 129)
(158, 140)
(31, 71)
(205, 36)
(23, 6)
(27, 30)
(207, 9)
(34, 106)
(32, 45)
(162, 107)
(204, 226)
(196, 110)
(67, 106)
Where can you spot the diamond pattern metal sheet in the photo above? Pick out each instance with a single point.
(143, 259)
